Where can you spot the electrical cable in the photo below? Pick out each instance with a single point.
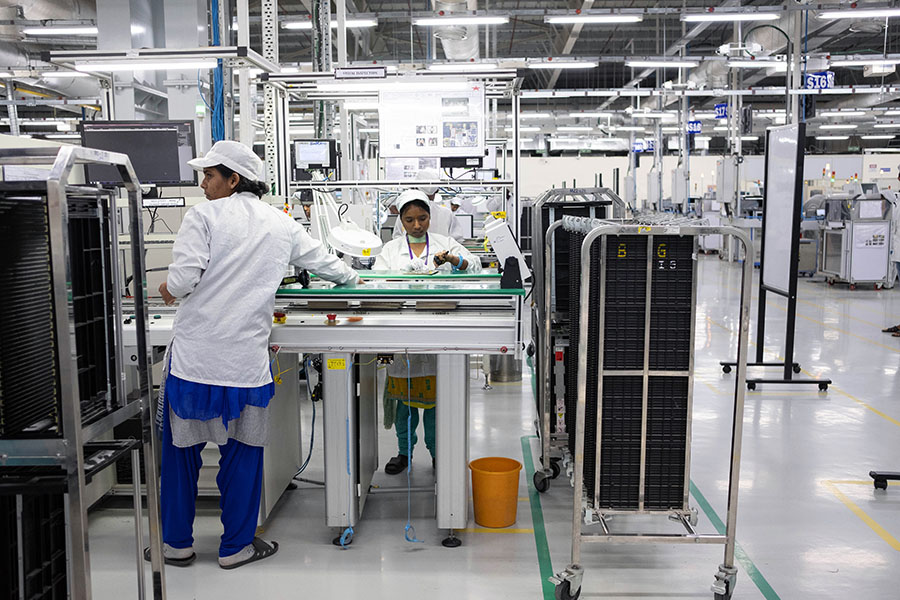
(409, 532)
(312, 436)
(218, 109)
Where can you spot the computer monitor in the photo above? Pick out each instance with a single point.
(315, 154)
(159, 150)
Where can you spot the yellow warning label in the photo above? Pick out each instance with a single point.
(367, 252)
(643, 230)
(337, 364)
(499, 214)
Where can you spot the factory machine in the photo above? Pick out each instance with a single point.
(855, 234)
(451, 315)
(552, 286)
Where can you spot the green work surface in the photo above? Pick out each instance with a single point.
(407, 276)
(404, 288)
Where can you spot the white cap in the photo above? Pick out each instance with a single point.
(408, 196)
(234, 155)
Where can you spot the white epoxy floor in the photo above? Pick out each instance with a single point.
(810, 524)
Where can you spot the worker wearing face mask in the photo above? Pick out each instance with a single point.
(227, 262)
(411, 383)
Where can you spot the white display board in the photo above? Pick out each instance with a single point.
(783, 154)
(401, 169)
(433, 123)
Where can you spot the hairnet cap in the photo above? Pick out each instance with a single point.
(234, 155)
(408, 196)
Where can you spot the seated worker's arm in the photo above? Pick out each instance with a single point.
(310, 254)
(468, 262)
(190, 257)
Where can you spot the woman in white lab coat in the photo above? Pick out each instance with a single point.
(894, 265)
(411, 383)
(227, 262)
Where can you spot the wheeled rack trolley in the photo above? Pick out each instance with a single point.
(630, 432)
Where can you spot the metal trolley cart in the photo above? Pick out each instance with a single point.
(62, 386)
(856, 241)
(633, 325)
(551, 319)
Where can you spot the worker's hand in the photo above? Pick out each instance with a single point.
(360, 281)
(441, 257)
(168, 298)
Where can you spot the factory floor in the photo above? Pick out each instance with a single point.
(810, 523)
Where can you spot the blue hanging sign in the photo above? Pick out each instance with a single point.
(722, 110)
(638, 146)
(693, 127)
(650, 145)
(823, 80)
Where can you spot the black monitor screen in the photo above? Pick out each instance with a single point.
(159, 151)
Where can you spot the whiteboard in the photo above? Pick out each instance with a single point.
(783, 154)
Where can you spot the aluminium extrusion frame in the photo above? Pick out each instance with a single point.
(68, 451)
(570, 578)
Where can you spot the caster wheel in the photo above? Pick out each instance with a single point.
(797, 368)
(751, 386)
(561, 592)
(530, 349)
(451, 542)
(881, 484)
(541, 482)
(726, 368)
(823, 387)
(347, 541)
(554, 469)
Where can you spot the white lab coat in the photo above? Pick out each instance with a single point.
(895, 228)
(227, 262)
(441, 221)
(395, 257)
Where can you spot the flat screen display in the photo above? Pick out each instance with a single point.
(312, 154)
(159, 150)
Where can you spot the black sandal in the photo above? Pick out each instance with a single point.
(894, 329)
(175, 562)
(261, 550)
(396, 465)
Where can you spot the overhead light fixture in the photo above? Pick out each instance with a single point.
(63, 136)
(878, 137)
(464, 66)
(886, 125)
(5, 74)
(523, 129)
(460, 20)
(874, 13)
(882, 149)
(574, 128)
(842, 113)
(720, 128)
(661, 64)
(749, 138)
(838, 126)
(535, 115)
(832, 138)
(561, 64)
(48, 31)
(145, 65)
(652, 115)
(702, 138)
(724, 17)
(892, 113)
(62, 74)
(369, 130)
(864, 62)
(351, 23)
(705, 115)
(592, 19)
(395, 85)
(590, 115)
(628, 128)
(778, 65)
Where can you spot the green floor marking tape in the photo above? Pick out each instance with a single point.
(537, 520)
(752, 571)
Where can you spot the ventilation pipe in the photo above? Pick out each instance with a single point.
(460, 42)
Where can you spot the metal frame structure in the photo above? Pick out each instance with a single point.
(568, 581)
(67, 451)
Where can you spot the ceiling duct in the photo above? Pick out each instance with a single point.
(460, 42)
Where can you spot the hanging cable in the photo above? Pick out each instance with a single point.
(218, 108)
(409, 532)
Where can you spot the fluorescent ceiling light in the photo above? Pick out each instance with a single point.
(368, 130)
(778, 65)
(628, 128)
(720, 128)
(145, 65)
(661, 64)
(465, 66)
(863, 62)
(841, 113)
(574, 128)
(590, 115)
(892, 113)
(714, 17)
(62, 74)
(592, 19)
(652, 115)
(860, 14)
(702, 138)
(832, 138)
(749, 138)
(886, 125)
(4, 74)
(395, 85)
(62, 136)
(352, 23)
(581, 64)
(705, 115)
(878, 137)
(523, 129)
(85, 30)
(461, 20)
(535, 115)
(839, 126)
(876, 149)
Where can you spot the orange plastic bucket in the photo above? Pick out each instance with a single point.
(495, 490)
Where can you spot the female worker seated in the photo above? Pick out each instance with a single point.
(411, 382)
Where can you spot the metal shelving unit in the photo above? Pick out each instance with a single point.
(61, 370)
(632, 315)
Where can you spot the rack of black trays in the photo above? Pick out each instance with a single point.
(633, 320)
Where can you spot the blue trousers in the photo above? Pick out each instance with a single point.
(240, 486)
(428, 416)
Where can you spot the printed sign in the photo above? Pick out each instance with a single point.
(823, 80)
(360, 73)
(722, 110)
(337, 364)
(693, 127)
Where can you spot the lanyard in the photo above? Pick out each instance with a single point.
(427, 247)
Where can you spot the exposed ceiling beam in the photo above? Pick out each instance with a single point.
(565, 46)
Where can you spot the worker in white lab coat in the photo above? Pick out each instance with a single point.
(441, 217)
(411, 382)
(227, 262)
(894, 265)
